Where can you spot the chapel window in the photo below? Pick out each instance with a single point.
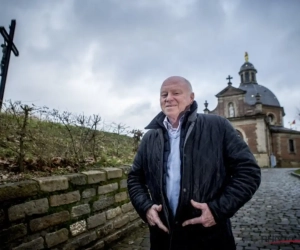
(291, 146)
(247, 77)
(271, 119)
(252, 77)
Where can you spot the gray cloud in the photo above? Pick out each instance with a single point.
(110, 57)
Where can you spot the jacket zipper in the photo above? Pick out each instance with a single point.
(161, 182)
(161, 190)
(185, 140)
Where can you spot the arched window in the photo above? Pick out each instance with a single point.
(271, 118)
(231, 111)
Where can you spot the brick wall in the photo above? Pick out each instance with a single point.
(241, 108)
(249, 130)
(251, 137)
(276, 112)
(284, 157)
(87, 210)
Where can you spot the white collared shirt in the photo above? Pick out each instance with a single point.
(173, 165)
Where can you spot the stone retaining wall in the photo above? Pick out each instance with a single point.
(88, 210)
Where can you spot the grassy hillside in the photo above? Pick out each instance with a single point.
(60, 141)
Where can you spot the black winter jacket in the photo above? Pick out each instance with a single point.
(217, 168)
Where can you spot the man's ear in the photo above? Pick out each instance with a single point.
(192, 96)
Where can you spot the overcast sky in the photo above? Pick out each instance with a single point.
(110, 57)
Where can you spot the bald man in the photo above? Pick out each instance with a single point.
(192, 172)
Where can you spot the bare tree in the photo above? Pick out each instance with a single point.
(82, 123)
(137, 136)
(88, 133)
(39, 137)
(68, 121)
(83, 133)
(118, 129)
(95, 134)
(18, 126)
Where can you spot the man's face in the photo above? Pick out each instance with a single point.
(175, 96)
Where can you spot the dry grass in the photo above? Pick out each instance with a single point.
(50, 148)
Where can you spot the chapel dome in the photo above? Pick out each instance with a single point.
(266, 96)
(249, 84)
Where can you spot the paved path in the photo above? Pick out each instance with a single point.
(272, 215)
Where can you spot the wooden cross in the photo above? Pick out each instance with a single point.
(7, 47)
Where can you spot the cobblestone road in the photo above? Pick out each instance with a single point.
(272, 215)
